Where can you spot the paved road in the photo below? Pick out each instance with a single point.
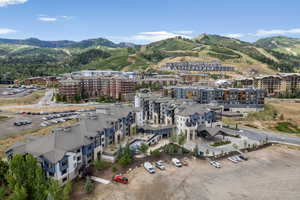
(272, 136)
(47, 98)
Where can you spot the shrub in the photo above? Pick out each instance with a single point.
(287, 127)
(220, 143)
(143, 148)
(89, 186)
(67, 191)
(114, 169)
(2, 192)
(156, 153)
(126, 159)
(100, 164)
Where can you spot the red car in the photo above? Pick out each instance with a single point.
(120, 179)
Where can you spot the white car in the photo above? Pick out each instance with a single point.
(215, 164)
(43, 124)
(238, 158)
(232, 160)
(149, 167)
(176, 162)
(159, 165)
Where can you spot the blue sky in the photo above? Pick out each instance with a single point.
(144, 21)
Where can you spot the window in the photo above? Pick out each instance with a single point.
(78, 158)
(78, 150)
(64, 171)
(51, 174)
(65, 179)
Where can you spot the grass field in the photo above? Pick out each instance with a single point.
(282, 116)
(7, 142)
(29, 99)
(3, 118)
(287, 127)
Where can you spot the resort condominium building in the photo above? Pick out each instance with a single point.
(274, 84)
(95, 87)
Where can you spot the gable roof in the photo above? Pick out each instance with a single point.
(54, 146)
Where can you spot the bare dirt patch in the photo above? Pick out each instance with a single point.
(271, 173)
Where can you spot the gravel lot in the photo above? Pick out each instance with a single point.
(271, 173)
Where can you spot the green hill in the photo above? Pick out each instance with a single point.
(281, 44)
(65, 43)
(33, 57)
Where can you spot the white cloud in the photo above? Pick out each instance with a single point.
(234, 35)
(265, 33)
(150, 36)
(66, 17)
(47, 19)
(4, 3)
(4, 31)
(187, 32)
(277, 32)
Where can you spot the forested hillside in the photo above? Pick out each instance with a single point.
(33, 57)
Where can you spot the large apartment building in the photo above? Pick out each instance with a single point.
(272, 84)
(233, 99)
(67, 151)
(164, 116)
(214, 66)
(94, 87)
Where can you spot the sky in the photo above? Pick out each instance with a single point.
(145, 21)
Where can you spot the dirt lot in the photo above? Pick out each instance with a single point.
(272, 173)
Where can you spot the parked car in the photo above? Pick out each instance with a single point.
(120, 179)
(238, 158)
(27, 122)
(148, 166)
(160, 165)
(22, 123)
(18, 124)
(232, 160)
(45, 124)
(243, 157)
(176, 162)
(215, 164)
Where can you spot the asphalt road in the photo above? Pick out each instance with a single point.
(47, 98)
(272, 137)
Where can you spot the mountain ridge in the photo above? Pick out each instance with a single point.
(19, 59)
(65, 43)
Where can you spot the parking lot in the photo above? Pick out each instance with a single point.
(7, 92)
(7, 127)
(271, 173)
